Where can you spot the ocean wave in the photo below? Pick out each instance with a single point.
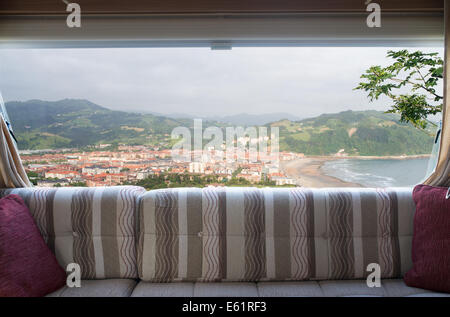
(373, 173)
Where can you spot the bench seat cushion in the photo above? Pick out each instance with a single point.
(273, 234)
(130, 287)
(133, 288)
(335, 288)
(93, 227)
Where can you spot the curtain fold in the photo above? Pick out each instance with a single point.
(12, 173)
(441, 175)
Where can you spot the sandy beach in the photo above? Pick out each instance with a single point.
(308, 173)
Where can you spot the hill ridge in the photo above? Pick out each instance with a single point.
(69, 122)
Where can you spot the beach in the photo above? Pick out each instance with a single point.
(308, 173)
(311, 172)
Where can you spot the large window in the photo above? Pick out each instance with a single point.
(171, 117)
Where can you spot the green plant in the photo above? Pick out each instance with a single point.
(417, 70)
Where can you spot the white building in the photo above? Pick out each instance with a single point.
(197, 167)
(279, 181)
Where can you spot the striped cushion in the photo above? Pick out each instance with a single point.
(249, 234)
(94, 227)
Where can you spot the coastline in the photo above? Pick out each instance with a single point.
(308, 171)
(357, 157)
(389, 157)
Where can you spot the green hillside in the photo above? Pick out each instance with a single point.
(357, 132)
(74, 123)
(77, 123)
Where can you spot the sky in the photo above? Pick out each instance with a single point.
(303, 81)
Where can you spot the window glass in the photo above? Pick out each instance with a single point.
(173, 117)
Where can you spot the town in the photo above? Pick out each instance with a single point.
(105, 165)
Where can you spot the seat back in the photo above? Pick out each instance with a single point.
(94, 227)
(250, 234)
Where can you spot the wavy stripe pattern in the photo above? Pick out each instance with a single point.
(341, 234)
(83, 247)
(126, 227)
(254, 226)
(79, 237)
(316, 232)
(300, 222)
(211, 235)
(388, 248)
(166, 222)
(332, 213)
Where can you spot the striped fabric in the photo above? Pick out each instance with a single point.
(249, 234)
(94, 227)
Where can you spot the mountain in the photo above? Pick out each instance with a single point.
(242, 119)
(245, 119)
(355, 132)
(76, 123)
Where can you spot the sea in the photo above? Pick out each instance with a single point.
(379, 172)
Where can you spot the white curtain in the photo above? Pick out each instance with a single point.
(441, 175)
(12, 173)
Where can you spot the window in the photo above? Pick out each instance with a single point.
(171, 117)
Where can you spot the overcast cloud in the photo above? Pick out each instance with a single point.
(301, 81)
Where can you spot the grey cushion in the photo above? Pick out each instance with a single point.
(297, 234)
(398, 288)
(98, 288)
(341, 288)
(130, 287)
(225, 290)
(432, 294)
(94, 227)
(145, 289)
(289, 289)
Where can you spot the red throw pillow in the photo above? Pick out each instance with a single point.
(27, 266)
(431, 240)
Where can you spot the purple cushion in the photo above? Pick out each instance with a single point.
(431, 240)
(27, 266)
